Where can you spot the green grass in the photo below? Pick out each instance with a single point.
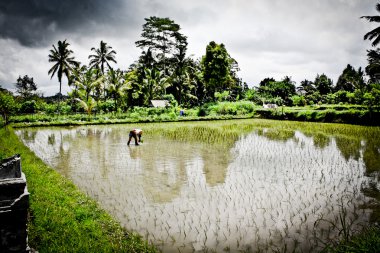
(367, 240)
(66, 120)
(63, 219)
(351, 114)
(359, 115)
(220, 130)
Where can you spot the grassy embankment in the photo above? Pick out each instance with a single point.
(367, 240)
(63, 219)
(352, 114)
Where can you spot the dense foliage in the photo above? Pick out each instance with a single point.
(207, 87)
(164, 72)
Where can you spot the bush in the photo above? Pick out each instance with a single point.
(341, 96)
(298, 100)
(50, 108)
(329, 98)
(106, 106)
(171, 99)
(201, 112)
(229, 108)
(28, 107)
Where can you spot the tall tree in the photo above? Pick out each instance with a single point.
(86, 82)
(216, 68)
(323, 84)
(7, 105)
(266, 81)
(375, 33)
(237, 86)
(181, 65)
(162, 39)
(350, 79)
(373, 68)
(25, 86)
(63, 61)
(134, 88)
(194, 91)
(102, 56)
(155, 84)
(306, 87)
(273, 90)
(116, 85)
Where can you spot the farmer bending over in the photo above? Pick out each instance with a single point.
(135, 133)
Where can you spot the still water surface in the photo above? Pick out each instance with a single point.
(260, 192)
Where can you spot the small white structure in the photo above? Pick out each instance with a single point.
(270, 106)
(160, 103)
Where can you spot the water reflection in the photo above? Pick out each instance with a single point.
(320, 140)
(349, 147)
(371, 157)
(264, 192)
(277, 134)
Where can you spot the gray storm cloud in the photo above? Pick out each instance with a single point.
(34, 23)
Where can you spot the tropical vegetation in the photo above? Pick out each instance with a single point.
(165, 72)
(205, 88)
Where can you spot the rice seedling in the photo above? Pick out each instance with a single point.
(236, 185)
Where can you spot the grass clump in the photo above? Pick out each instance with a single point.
(63, 219)
(366, 241)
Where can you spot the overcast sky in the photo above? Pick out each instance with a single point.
(268, 38)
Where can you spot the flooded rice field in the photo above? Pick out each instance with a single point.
(256, 187)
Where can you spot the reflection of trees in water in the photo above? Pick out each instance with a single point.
(355, 146)
(349, 147)
(371, 157)
(163, 180)
(165, 165)
(373, 192)
(320, 140)
(276, 134)
(215, 163)
(163, 176)
(91, 152)
(29, 135)
(51, 139)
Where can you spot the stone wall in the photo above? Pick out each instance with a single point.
(14, 203)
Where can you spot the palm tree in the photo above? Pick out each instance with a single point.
(86, 82)
(64, 62)
(375, 33)
(373, 68)
(103, 55)
(306, 87)
(155, 83)
(116, 85)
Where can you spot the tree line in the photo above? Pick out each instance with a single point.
(164, 71)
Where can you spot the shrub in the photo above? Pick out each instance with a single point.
(29, 106)
(341, 96)
(106, 106)
(298, 100)
(50, 108)
(201, 112)
(65, 109)
(171, 99)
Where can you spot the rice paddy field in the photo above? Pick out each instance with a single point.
(238, 185)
